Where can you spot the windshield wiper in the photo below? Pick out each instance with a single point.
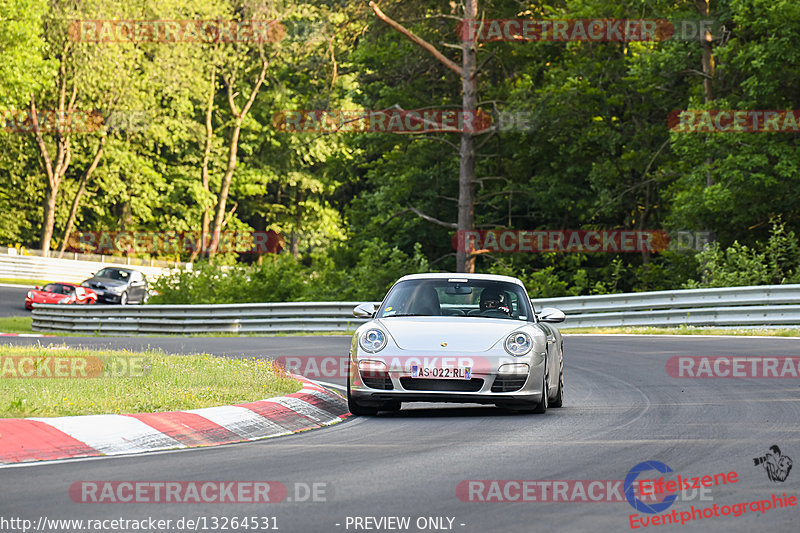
(406, 314)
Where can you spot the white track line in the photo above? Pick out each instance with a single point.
(328, 384)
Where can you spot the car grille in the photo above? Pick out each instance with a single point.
(452, 385)
(508, 383)
(380, 381)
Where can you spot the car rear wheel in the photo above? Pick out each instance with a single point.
(123, 299)
(356, 408)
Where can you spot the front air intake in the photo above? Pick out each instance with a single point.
(508, 383)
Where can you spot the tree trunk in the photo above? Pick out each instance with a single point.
(225, 187)
(55, 172)
(206, 156)
(294, 239)
(48, 219)
(465, 261)
(708, 73)
(222, 199)
(73, 212)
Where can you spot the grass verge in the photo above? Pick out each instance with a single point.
(128, 382)
(24, 282)
(16, 324)
(691, 330)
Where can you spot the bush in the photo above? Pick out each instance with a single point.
(283, 278)
(773, 263)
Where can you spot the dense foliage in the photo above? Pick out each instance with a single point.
(584, 143)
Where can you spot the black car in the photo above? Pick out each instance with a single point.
(115, 285)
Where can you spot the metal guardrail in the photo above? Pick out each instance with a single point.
(224, 318)
(770, 305)
(765, 305)
(54, 269)
(94, 258)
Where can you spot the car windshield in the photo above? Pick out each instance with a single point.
(57, 288)
(113, 273)
(457, 297)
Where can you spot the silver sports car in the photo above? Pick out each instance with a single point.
(456, 338)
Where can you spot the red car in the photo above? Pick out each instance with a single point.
(60, 293)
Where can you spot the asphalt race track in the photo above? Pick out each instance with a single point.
(621, 408)
(12, 300)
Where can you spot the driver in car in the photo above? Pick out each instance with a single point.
(493, 300)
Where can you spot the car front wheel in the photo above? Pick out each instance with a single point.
(558, 401)
(541, 407)
(123, 299)
(356, 408)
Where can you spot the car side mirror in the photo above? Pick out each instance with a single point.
(552, 315)
(365, 310)
(37, 288)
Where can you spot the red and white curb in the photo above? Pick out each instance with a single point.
(41, 439)
(24, 335)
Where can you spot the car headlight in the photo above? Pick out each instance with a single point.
(372, 340)
(518, 343)
(30, 294)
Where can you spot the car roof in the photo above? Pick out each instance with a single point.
(461, 275)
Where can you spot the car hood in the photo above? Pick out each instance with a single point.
(462, 334)
(104, 282)
(47, 297)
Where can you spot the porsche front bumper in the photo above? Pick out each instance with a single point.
(487, 384)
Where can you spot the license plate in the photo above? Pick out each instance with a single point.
(424, 372)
